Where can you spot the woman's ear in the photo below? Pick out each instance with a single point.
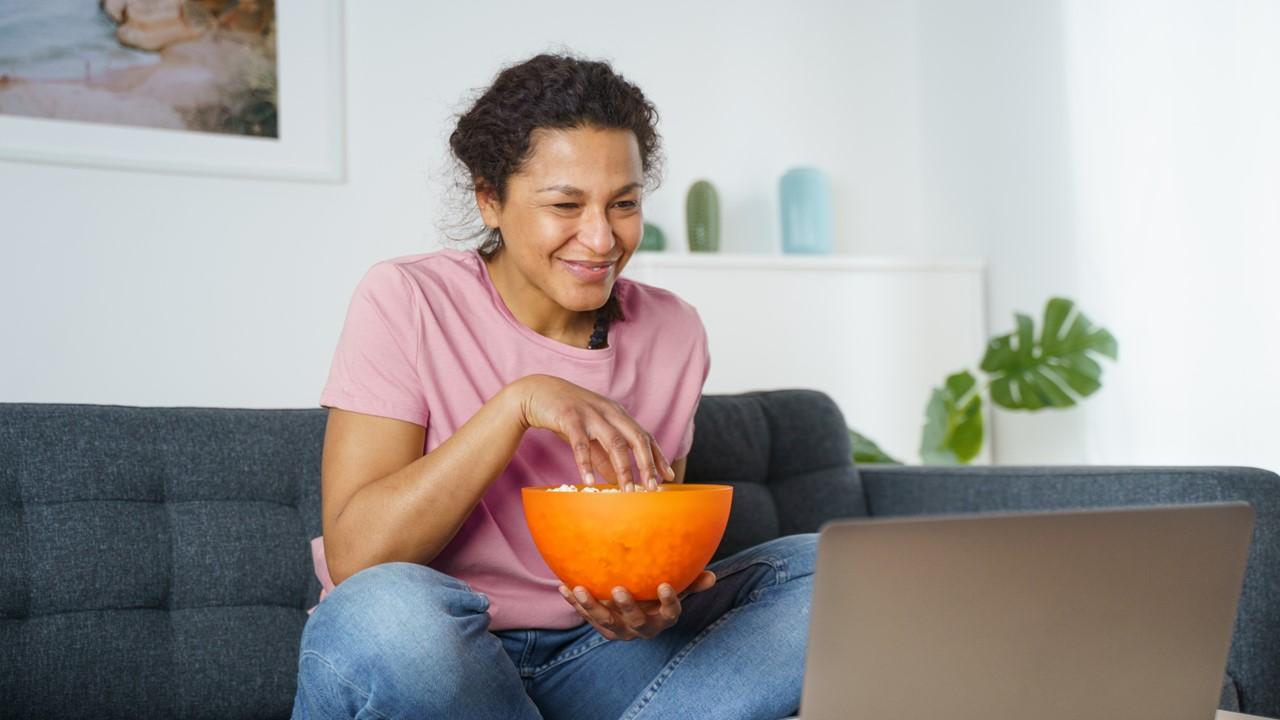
(488, 204)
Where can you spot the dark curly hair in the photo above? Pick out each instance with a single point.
(493, 138)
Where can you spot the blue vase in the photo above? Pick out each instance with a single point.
(805, 207)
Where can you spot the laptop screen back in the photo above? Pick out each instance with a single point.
(1122, 613)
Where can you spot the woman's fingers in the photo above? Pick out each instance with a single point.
(615, 443)
(597, 613)
(580, 441)
(623, 434)
(664, 466)
(632, 616)
(643, 445)
(705, 581)
(606, 629)
(669, 609)
(617, 446)
(623, 618)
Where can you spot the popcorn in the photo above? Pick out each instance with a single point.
(571, 488)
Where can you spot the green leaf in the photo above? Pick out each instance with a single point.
(867, 452)
(1058, 369)
(959, 384)
(953, 428)
(933, 441)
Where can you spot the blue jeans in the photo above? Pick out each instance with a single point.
(405, 641)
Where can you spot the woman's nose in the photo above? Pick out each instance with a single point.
(596, 233)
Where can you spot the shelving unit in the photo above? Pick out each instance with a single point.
(875, 333)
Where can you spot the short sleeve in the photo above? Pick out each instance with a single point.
(701, 351)
(375, 367)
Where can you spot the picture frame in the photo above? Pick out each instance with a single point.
(311, 145)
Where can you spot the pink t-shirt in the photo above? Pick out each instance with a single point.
(429, 340)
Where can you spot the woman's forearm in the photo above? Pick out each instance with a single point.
(413, 513)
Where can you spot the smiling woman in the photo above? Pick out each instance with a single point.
(524, 116)
(551, 284)
(463, 376)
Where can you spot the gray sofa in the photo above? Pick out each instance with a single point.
(154, 562)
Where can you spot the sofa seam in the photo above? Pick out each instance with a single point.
(30, 616)
(167, 601)
(159, 502)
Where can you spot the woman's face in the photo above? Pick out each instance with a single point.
(571, 220)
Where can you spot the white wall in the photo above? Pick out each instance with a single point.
(1176, 130)
(135, 288)
(1120, 153)
(1126, 155)
(998, 180)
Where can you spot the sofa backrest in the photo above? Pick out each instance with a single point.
(787, 455)
(155, 562)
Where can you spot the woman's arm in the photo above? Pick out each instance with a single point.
(384, 501)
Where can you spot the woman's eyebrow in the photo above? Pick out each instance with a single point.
(575, 192)
(627, 188)
(563, 189)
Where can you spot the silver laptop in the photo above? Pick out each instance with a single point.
(1119, 613)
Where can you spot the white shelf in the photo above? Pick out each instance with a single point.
(874, 333)
(841, 263)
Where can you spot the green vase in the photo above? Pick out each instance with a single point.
(653, 239)
(702, 211)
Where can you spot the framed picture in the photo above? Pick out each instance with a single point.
(250, 88)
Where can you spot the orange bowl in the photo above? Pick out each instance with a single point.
(638, 540)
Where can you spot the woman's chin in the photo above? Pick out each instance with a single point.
(587, 299)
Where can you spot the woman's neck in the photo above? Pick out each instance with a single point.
(529, 305)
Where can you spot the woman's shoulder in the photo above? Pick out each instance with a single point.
(647, 305)
(443, 270)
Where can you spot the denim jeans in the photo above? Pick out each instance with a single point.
(405, 641)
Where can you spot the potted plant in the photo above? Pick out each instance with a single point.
(1023, 372)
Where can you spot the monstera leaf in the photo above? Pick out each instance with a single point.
(866, 451)
(1056, 370)
(953, 429)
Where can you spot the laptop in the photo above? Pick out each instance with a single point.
(1116, 613)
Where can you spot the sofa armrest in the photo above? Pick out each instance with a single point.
(1254, 662)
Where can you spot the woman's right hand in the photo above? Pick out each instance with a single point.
(600, 431)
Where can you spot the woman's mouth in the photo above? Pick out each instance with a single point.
(588, 271)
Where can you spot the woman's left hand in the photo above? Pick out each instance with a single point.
(625, 618)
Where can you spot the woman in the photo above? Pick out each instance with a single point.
(461, 377)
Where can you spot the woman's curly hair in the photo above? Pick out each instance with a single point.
(493, 138)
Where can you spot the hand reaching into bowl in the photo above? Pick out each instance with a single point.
(603, 436)
(624, 618)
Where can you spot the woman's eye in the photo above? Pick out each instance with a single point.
(627, 205)
(566, 206)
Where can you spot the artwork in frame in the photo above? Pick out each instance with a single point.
(249, 88)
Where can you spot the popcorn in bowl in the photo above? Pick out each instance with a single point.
(588, 488)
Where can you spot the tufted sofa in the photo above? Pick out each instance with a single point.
(154, 561)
